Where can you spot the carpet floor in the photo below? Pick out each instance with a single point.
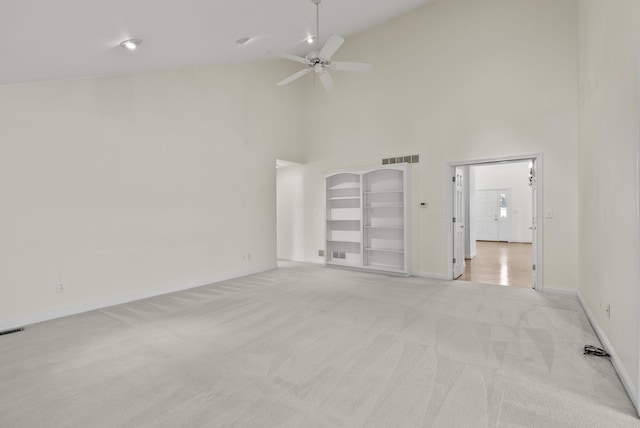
(310, 346)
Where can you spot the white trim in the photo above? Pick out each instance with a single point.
(626, 380)
(637, 402)
(367, 168)
(556, 290)
(23, 320)
(538, 160)
(431, 275)
(318, 261)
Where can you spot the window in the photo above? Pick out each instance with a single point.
(503, 205)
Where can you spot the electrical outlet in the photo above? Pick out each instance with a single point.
(608, 311)
(60, 287)
(249, 256)
(321, 253)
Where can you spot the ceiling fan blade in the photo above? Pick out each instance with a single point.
(331, 46)
(299, 59)
(327, 81)
(351, 66)
(294, 76)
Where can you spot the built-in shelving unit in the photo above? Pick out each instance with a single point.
(344, 219)
(367, 219)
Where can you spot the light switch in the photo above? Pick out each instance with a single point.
(548, 213)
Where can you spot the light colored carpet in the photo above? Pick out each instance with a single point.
(309, 346)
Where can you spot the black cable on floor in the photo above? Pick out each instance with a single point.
(592, 350)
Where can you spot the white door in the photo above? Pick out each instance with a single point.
(534, 222)
(492, 219)
(486, 215)
(458, 224)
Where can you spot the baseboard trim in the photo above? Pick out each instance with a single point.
(615, 360)
(316, 261)
(28, 319)
(430, 275)
(555, 290)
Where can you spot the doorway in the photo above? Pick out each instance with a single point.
(502, 242)
(289, 210)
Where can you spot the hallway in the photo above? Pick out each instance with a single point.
(502, 263)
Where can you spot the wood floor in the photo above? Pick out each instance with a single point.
(502, 263)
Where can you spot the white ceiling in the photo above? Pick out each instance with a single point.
(59, 39)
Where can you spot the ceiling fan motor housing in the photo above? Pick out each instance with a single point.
(316, 62)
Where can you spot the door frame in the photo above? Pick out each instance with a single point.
(637, 396)
(537, 159)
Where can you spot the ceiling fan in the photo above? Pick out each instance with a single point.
(319, 61)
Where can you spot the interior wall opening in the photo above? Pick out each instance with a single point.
(494, 223)
(289, 211)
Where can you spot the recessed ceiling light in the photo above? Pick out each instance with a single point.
(242, 40)
(131, 44)
(310, 39)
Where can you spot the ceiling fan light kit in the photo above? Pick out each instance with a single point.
(131, 44)
(319, 61)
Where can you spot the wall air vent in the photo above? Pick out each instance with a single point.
(401, 159)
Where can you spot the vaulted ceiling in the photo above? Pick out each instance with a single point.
(47, 40)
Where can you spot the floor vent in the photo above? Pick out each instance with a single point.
(15, 330)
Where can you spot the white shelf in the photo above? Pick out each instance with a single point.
(386, 250)
(343, 198)
(344, 186)
(386, 268)
(341, 262)
(366, 218)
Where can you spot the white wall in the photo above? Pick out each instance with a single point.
(608, 126)
(513, 176)
(126, 184)
(290, 212)
(457, 80)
